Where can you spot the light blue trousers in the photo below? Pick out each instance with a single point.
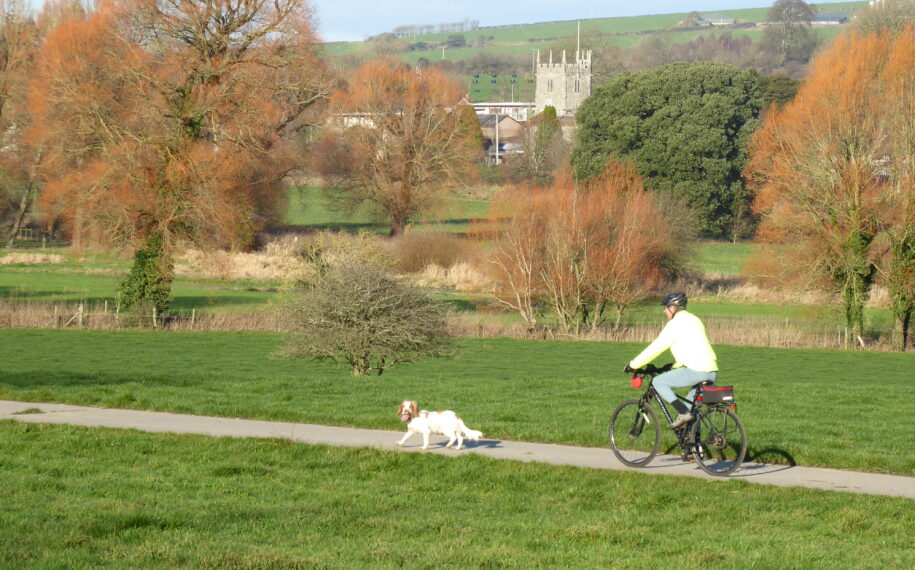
(680, 378)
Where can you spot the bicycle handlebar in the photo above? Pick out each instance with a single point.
(651, 370)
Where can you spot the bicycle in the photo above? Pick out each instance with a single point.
(715, 439)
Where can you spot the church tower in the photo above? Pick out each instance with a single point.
(563, 85)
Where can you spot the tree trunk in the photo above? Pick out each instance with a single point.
(854, 311)
(397, 226)
(23, 208)
(901, 322)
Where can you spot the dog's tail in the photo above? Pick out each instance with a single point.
(471, 434)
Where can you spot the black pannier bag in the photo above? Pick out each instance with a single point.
(718, 394)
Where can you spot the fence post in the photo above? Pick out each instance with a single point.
(56, 322)
(193, 317)
(79, 314)
(155, 324)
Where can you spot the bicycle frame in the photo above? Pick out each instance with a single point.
(682, 432)
(651, 393)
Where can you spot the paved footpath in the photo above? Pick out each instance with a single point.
(596, 458)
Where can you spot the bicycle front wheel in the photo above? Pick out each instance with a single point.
(720, 441)
(635, 435)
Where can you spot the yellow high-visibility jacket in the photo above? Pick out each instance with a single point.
(685, 336)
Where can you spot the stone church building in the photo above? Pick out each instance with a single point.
(563, 85)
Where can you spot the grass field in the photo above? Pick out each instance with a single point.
(824, 408)
(90, 498)
(61, 284)
(93, 280)
(533, 33)
(310, 207)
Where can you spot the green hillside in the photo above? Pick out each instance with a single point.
(625, 32)
(497, 62)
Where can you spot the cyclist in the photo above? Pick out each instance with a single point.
(694, 358)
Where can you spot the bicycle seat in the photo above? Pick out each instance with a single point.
(704, 383)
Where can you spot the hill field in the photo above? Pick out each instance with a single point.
(478, 48)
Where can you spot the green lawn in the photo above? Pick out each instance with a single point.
(310, 207)
(61, 284)
(98, 498)
(725, 258)
(824, 408)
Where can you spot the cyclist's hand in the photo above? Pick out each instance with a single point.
(650, 369)
(666, 368)
(627, 369)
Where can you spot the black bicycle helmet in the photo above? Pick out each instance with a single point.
(677, 300)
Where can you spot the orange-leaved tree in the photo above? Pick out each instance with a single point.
(819, 167)
(399, 140)
(19, 39)
(897, 262)
(579, 250)
(162, 122)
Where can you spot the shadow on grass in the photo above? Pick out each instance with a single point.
(204, 302)
(14, 293)
(38, 379)
(770, 455)
(460, 304)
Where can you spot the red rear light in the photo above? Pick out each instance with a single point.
(636, 382)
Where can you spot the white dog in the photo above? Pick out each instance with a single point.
(445, 423)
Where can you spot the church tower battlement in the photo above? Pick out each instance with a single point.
(563, 84)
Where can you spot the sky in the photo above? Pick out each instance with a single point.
(355, 20)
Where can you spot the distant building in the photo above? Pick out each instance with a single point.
(509, 128)
(563, 85)
(830, 19)
(720, 20)
(348, 120)
(519, 111)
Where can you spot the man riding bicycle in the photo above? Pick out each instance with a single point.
(694, 358)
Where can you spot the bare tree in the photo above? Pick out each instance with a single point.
(788, 29)
(579, 250)
(404, 144)
(19, 37)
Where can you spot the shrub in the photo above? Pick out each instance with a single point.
(358, 314)
(413, 252)
(149, 283)
(329, 249)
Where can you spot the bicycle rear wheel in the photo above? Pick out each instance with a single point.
(635, 435)
(720, 441)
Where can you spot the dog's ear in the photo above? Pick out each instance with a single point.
(414, 408)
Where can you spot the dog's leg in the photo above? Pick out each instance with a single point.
(451, 437)
(405, 437)
(426, 439)
(460, 439)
